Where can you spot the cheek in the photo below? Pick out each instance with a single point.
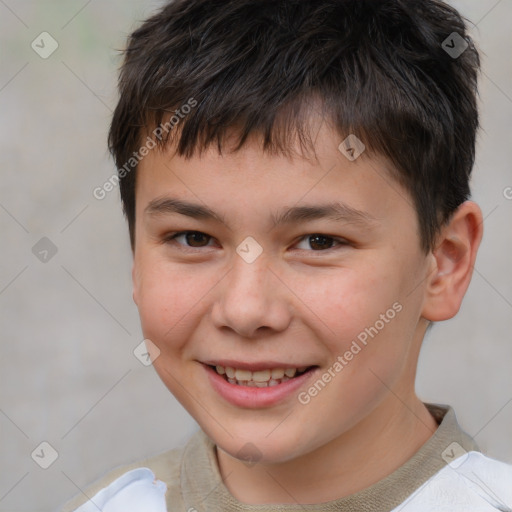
(346, 302)
(165, 299)
(360, 318)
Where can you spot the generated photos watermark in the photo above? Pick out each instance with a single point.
(356, 347)
(111, 183)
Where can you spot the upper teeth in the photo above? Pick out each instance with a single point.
(258, 376)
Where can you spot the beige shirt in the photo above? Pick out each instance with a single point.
(195, 484)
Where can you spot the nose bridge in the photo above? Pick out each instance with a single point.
(247, 285)
(247, 299)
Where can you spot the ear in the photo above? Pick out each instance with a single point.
(453, 260)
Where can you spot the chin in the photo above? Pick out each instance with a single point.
(251, 447)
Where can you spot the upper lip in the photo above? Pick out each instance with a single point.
(255, 366)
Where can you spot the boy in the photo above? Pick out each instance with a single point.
(295, 178)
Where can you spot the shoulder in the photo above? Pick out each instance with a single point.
(471, 481)
(158, 477)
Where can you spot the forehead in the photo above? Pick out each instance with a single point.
(259, 182)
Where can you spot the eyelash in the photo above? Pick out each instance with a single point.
(171, 239)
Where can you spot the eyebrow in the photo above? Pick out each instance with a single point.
(334, 211)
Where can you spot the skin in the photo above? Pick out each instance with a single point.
(199, 300)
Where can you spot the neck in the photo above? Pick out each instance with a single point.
(371, 450)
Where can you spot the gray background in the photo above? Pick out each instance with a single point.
(68, 375)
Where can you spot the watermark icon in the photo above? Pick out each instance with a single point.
(146, 352)
(249, 250)
(507, 193)
(101, 192)
(44, 45)
(454, 455)
(44, 455)
(342, 361)
(249, 454)
(352, 147)
(454, 45)
(44, 250)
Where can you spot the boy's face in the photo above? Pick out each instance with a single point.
(353, 296)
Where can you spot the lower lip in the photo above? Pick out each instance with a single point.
(253, 397)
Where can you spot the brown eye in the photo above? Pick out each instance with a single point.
(319, 242)
(193, 239)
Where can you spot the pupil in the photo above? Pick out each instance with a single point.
(314, 238)
(196, 236)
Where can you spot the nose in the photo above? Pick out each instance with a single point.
(252, 300)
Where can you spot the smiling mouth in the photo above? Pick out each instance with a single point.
(259, 379)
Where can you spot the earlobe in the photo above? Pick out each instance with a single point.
(453, 261)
